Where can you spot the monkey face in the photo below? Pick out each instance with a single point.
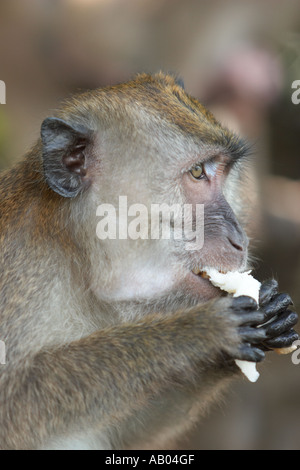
(155, 145)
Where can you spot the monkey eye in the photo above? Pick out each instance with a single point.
(197, 171)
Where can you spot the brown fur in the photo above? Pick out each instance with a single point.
(76, 363)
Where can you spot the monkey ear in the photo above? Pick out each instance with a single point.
(64, 156)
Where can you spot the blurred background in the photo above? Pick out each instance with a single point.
(238, 58)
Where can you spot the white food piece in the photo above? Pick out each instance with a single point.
(238, 284)
(248, 369)
(235, 283)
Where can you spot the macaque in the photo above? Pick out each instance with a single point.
(121, 343)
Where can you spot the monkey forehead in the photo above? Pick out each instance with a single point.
(153, 106)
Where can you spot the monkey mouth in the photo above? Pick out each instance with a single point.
(202, 273)
(200, 283)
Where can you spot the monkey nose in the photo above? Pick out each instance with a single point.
(240, 243)
(235, 245)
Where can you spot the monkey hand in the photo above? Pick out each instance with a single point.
(242, 337)
(262, 328)
(278, 319)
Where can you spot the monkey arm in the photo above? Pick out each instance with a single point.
(111, 373)
(114, 372)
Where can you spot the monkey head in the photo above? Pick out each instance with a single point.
(150, 142)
